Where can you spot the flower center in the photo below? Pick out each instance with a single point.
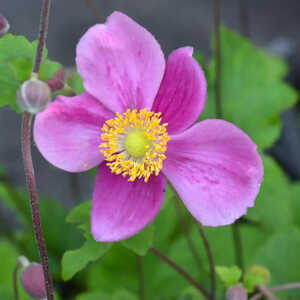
(134, 143)
(137, 143)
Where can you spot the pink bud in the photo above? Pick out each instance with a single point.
(237, 292)
(34, 96)
(4, 26)
(58, 81)
(32, 278)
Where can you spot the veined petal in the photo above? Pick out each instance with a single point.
(216, 170)
(121, 63)
(182, 94)
(121, 208)
(68, 132)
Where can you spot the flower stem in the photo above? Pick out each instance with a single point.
(266, 292)
(237, 245)
(44, 21)
(182, 272)
(218, 83)
(283, 287)
(244, 18)
(139, 265)
(210, 259)
(186, 233)
(219, 113)
(31, 183)
(15, 280)
(91, 5)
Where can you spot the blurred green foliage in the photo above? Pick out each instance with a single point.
(16, 59)
(253, 96)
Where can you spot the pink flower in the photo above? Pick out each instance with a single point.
(213, 165)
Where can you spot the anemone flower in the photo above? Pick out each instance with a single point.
(137, 121)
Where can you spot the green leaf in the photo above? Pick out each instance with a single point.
(274, 200)
(93, 296)
(280, 255)
(8, 87)
(252, 89)
(229, 275)
(254, 276)
(119, 260)
(16, 60)
(141, 242)
(191, 293)
(124, 295)
(80, 213)
(76, 83)
(75, 260)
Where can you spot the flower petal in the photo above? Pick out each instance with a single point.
(68, 132)
(216, 170)
(121, 63)
(121, 208)
(182, 94)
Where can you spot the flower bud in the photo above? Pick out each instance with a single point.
(4, 26)
(237, 292)
(33, 282)
(57, 82)
(254, 276)
(34, 96)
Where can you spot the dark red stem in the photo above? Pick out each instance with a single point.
(31, 183)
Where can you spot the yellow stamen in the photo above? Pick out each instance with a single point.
(134, 143)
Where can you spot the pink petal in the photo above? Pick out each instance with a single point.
(182, 95)
(68, 132)
(216, 170)
(121, 208)
(121, 63)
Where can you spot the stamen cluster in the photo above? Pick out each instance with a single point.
(115, 131)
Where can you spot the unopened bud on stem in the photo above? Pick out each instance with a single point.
(57, 82)
(4, 26)
(33, 282)
(237, 292)
(34, 96)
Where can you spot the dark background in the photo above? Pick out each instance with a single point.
(273, 24)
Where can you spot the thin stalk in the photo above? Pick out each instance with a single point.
(27, 157)
(219, 113)
(43, 30)
(93, 8)
(15, 280)
(184, 228)
(139, 265)
(283, 287)
(74, 187)
(237, 245)
(210, 257)
(266, 292)
(182, 272)
(218, 83)
(31, 183)
(244, 17)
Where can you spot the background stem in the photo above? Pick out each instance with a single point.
(210, 260)
(15, 280)
(238, 248)
(219, 113)
(31, 183)
(244, 17)
(44, 21)
(218, 57)
(182, 272)
(93, 8)
(139, 264)
(186, 233)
